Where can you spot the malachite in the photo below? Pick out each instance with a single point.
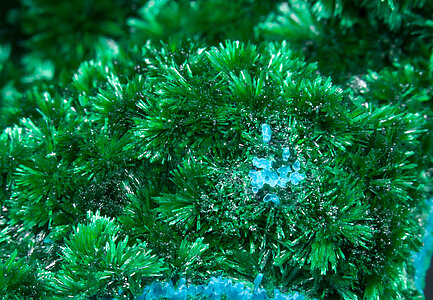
(213, 149)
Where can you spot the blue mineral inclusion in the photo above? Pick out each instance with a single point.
(266, 175)
(272, 198)
(266, 132)
(258, 280)
(215, 289)
(283, 179)
(262, 163)
(283, 171)
(296, 165)
(286, 154)
(296, 177)
(421, 259)
(259, 178)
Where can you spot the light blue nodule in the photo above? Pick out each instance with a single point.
(259, 178)
(286, 154)
(283, 171)
(269, 177)
(262, 163)
(258, 280)
(296, 165)
(282, 182)
(256, 180)
(296, 177)
(266, 132)
(272, 198)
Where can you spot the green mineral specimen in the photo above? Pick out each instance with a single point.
(214, 148)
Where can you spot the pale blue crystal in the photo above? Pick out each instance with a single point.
(253, 174)
(296, 177)
(238, 292)
(272, 198)
(215, 289)
(266, 132)
(260, 294)
(159, 290)
(180, 295)
(279, 296)
(195, 290)
(282, 182)
(286, 154)
(259, 278)
(182, 282)
(422, 258)
(269, 177)
(48, 240)
(182, 291)
(296, 165)
(257, 180)
(262, 163)
(283, 171)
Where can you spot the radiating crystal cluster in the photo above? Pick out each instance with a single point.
(265, 174)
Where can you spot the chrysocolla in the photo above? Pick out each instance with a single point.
(296, 177)
(266, 175)
(296, 165)
(272, 198)
(262, 163)
(282, 182)
(216, 288)
(259, 178)
(283, 171)
(266, 132)
(286, 154)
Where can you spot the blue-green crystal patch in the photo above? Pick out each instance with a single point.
(215, 289)
(266, 132)
(268, 176)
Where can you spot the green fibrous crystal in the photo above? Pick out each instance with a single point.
(195, 148)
